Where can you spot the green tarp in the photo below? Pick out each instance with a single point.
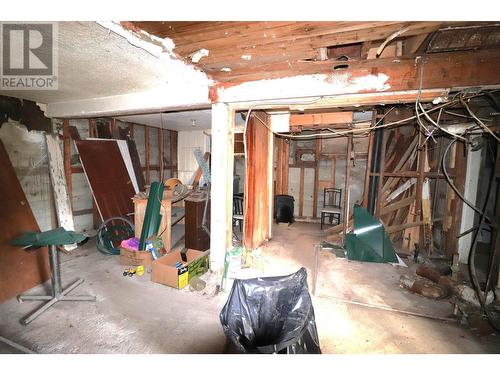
(369, 242)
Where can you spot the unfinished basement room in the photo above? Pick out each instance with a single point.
(250, 187)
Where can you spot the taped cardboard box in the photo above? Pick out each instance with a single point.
(135, 258)
(165, 272)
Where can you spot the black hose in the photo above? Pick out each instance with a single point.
(472, 254)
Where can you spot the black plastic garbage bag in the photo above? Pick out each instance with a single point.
(271, 315)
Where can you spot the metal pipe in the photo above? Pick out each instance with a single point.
(17, 346)
(388, 309)
(56, 274)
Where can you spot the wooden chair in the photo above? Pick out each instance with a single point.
(332, 198)
(238, 211)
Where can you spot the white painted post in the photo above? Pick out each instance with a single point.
(222, 185)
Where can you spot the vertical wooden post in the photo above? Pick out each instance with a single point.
(146, 152)
(113, 128)
(369, 161)
(67, 159)
(460, 169)
(420, 184)
(95, 212)
(131, 130)
(334, 162)
(172, 137)
(160, 153)
(380, 181)
(347, 186)
(316, 178)
(301, 192)
(92, 128)
(221, 204)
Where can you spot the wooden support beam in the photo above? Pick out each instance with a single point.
(369, 161)
(172, 136)
(92, 128)
(146, 152)
(95, 211)
(318, 120)
(397, 205)
(456, 207)
(113, 128)
(463, 69)
(67, 159)
(347, 186)
(131, 130)
(397, 228)
(383, 149)
(316, 178)
(160, 153)
(301, 192)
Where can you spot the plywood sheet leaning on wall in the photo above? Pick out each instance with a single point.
(258, 188)
(59, 187)
(111, 182)
(134, 156)
(19, 270)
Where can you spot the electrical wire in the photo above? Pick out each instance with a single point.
(448, 179)
(336, 134)
(478, 120)
(472, 258)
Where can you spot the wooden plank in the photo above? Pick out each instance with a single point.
(460, 168)
(369, 162)
(463, 69)
(301, 192)
(397, 205)
(315, 120)
(160, 153)
(146, 153)
(302, 36)
(256, 203)
(316, 178)
(399, 227)
(347, 186)
(19, 270)
(59, 187)
(113, 126)
(67, 159)
(125, 134)
(173, 152)
(380, 181)
(199, 172)
(426, 209)
(282, 167)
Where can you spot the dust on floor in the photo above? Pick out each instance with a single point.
(134, 315)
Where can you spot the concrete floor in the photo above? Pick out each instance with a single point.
(134, 315)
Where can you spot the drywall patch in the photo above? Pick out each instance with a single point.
(313, 85)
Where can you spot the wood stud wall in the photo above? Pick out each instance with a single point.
(113, 129)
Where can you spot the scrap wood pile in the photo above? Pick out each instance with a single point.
(411, 193)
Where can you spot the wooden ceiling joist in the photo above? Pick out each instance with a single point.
(299, 122)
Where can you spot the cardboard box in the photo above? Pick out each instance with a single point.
(135, 258)
(164, 271)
